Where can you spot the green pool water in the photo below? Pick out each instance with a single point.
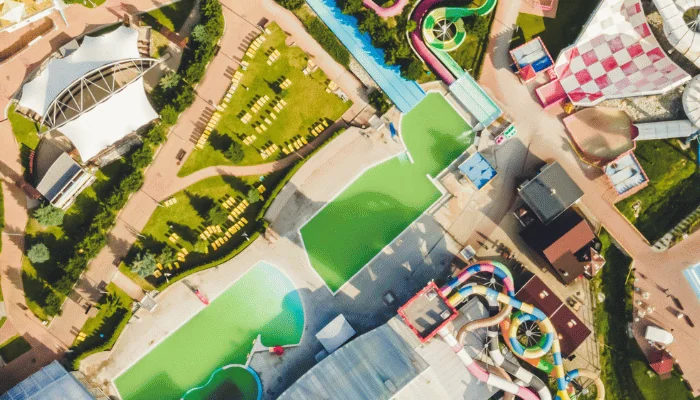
(263, 301)
(386, 199)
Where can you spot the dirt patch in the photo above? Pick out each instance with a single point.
(601, 133)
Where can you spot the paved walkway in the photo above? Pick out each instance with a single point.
(544, 137)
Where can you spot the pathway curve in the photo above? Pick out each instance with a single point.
(545, 137)
(161, 179)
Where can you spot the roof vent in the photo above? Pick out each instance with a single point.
(553, 191)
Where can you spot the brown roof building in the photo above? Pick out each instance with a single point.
(570, 329)
(661, 362)
(568, 244)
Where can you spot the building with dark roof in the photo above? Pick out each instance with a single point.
(550, 193)
(571, 330)
(568, 244)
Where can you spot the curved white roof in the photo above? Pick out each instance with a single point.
(120, 44)
(110, 121)
(684, 39)
(691, 101)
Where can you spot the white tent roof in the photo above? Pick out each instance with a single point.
(110, 121)
(120, 44)
(12, 11)
(658, 335)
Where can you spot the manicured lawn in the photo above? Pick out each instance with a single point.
(557, 33)
(654, 388)
(145, 285)
(86, 3)
(102, 330)
(171, 16)
(307, 104)
(13, 348)
(25, 130)
(189, 217)
(673, 191)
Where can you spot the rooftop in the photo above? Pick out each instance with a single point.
(16, 13)
(571, 330)
(427, 312)
(550, 193)
(566, 243)
(478, 170)
(50, 382)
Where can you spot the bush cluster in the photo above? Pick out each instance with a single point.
(379, 101)
(325, 37)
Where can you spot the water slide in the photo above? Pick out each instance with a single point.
(386, 12)
(442, 30)
(458, 292)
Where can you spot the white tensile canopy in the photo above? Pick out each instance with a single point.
(95, 52)
(110, 121)
(11, 11)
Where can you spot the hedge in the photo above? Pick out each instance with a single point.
(325, 37)
(95, 235)
(76, 357)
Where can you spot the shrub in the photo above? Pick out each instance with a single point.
(144, 264)
(48, 215)
(290, 4)
(166, 256)
(379, 101)
(201, 246)
(155, 135)
(185, 98)
(39, 253)
(235, 152)
(169, 115)
(217, 215)
(133, 181)
(253, 195)
(142, 157)
(200, 33)
(328, 41)
(169, 81)
(53, 304)
(412, 70)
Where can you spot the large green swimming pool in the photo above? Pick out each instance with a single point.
(347, 233)
(264, 301)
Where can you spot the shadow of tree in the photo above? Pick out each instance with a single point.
(184, 231)
(200, 204)
(219, 141)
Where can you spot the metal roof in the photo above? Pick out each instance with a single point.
(51, 382)
(59, 174)
(550, 193)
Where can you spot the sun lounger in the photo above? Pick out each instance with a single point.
(284, 103)
(157, 274)
(169, 266)
(159, 266)
(177, 265)
(284, 150)
(267, 121)
(263, 127)
(214, 246)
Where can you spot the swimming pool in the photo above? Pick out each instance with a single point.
(692, 274)
(404, 93)
(380, 204)
(263, 301)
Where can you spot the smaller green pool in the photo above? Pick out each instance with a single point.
(264, 301)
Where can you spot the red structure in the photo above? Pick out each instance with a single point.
(661, 362)
(427, 312)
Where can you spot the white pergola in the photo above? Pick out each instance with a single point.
(95, 95)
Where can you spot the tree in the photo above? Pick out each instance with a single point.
(235, 152)
(39, 253)
(200, 33)
(169, 115)
(53, 304)
(253, 195)
(144, 264)
(48, 215)
(166, 256)
(170, 81)
(378, 100)
(290, 4)
(411, 25)
(110, 303)
(217, 215)
(201, 246)
(413, 70)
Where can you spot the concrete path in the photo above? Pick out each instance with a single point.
(542, 135)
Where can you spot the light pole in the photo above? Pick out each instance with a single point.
(166, 275)
(247, 238)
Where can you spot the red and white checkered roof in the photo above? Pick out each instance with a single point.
(616, 56)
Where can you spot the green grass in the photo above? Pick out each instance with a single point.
(190, 214)
(384, 200)
(172, 16)
(557, 33)
(307, 104)
(145, 285)
(61, 240)
(13, 348)
(2, 321)
(673, 187)
(623, 365)
(86, 3)
(2, 222)
(103, 329)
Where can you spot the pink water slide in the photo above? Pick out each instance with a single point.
(386, 12)
(422, 49)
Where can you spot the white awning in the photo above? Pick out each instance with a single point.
(110, 121)
(120, 44)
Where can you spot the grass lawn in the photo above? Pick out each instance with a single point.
(171, 16)
(557, 33)
(654, 388)
(86, 3)
(145, 285)
(307, 104)
(26, 132)
(102, 330)
(673, 191)
(189, 216)
(13, 348)
(61, 240)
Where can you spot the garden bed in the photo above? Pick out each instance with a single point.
(13, 348)
(673, 191)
